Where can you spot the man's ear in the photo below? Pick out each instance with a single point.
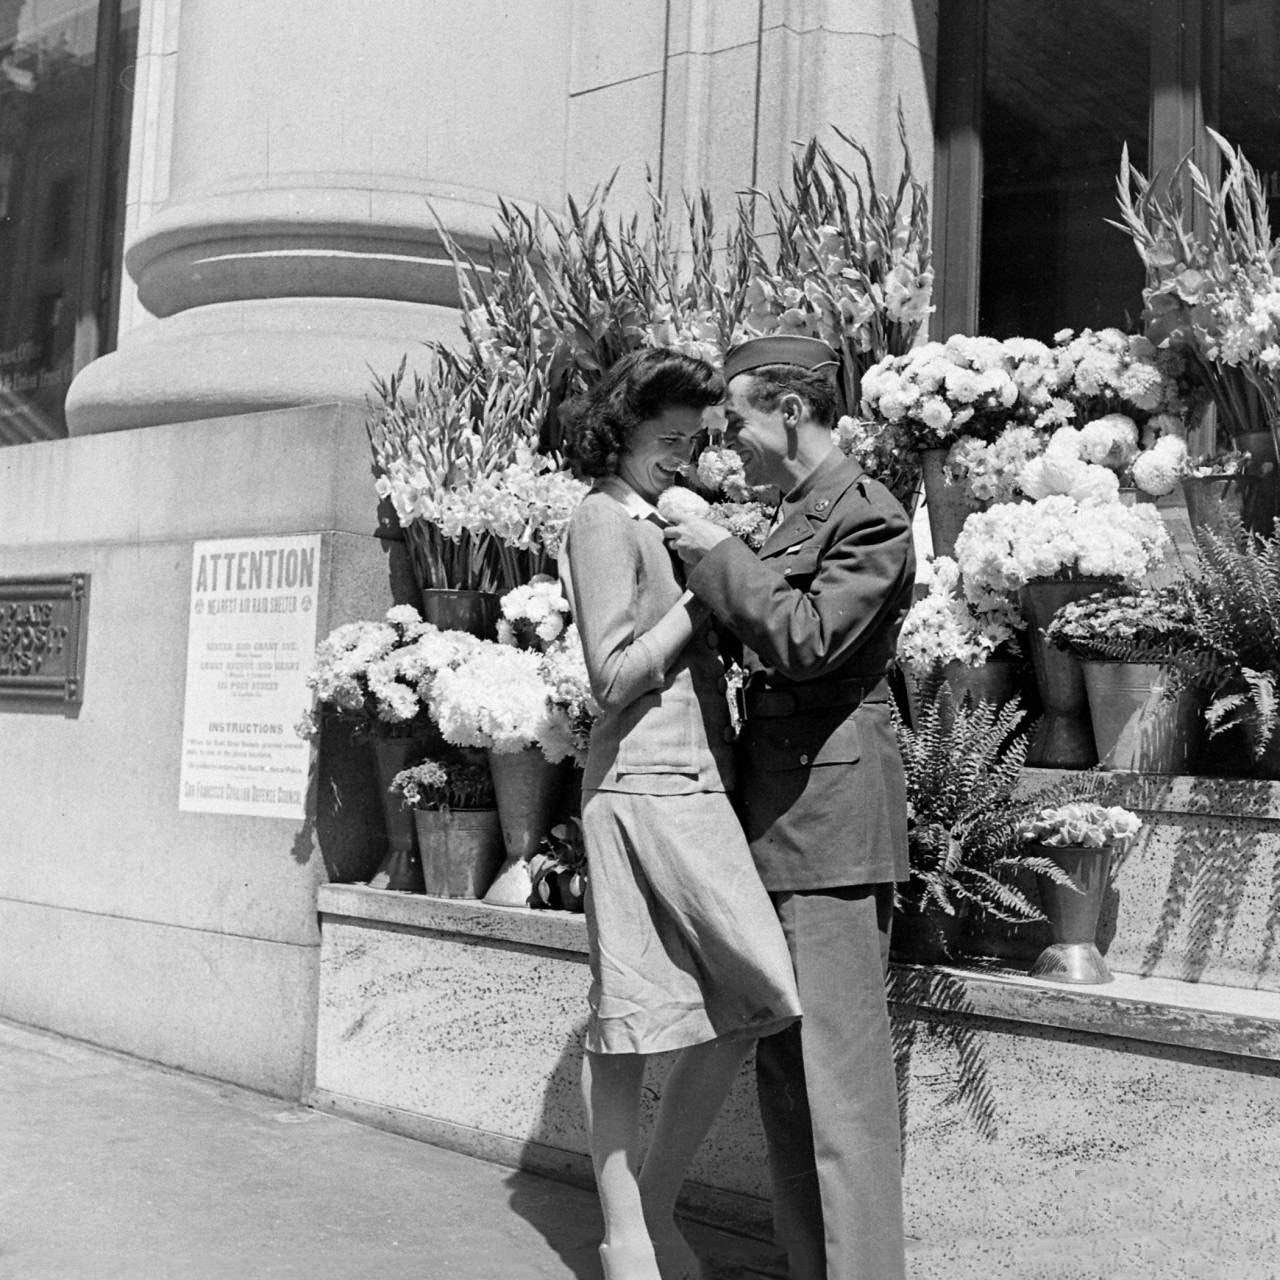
(792, 407)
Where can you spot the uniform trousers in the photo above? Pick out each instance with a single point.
(829, 1094)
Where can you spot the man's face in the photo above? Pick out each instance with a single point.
(757, 436)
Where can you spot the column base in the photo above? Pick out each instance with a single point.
(230, 358)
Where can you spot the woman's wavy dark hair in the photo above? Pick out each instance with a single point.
(598, 424)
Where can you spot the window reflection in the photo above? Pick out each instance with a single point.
(1066, 84)
(48, 57)
(1250, 90)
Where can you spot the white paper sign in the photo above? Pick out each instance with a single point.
(251, 637)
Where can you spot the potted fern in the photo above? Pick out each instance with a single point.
(1143, 718)
(1234, 600)
(459, 836)
(963, 762)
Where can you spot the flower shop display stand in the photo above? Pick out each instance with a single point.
(1035, 1113)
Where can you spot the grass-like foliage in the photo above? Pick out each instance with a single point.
(963, 762)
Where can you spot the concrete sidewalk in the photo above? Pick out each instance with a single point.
(113, 1169)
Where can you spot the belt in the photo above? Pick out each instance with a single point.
(822, 695)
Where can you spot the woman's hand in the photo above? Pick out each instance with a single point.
(693, 538)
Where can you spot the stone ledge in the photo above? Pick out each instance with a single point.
(1233, 1020)
(522, 926)
(1187, 1015)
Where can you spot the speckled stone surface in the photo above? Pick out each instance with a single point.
(1052, 1133)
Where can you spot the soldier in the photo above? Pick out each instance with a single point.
(821, 795)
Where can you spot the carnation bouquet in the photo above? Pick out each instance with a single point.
(1150, 625)
(941, 390)
(1080, 825)
(533, 615)
(1103, 371)
(1058, 536)
(506, 699)
(945, 626)
(747, 521)
(377, 673)
(882, 451)
(991, 470)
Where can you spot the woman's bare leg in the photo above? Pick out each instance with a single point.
(694, 1093)
(611, 1084)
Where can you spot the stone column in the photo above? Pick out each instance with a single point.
(314, 143)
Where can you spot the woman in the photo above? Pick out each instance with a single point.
(686, 950)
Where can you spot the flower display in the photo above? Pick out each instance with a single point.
(564, 668)
(1081, 825)
(1100, 372)
(882, 451)
(1131, 626)
(945, 626)
(498, 698)
(372, 672)
(443, 784)
(1212, 294)
(991, 470)
(1003, 549)
(942, 389)
(480, 507)
(847, 262)
(533, 615)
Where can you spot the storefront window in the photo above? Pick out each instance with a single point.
(65, 103)
(1065, 86)
(1249, 96)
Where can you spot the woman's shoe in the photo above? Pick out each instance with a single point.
(676, 1260)
(629, 1262)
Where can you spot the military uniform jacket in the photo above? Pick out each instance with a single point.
(820, 790)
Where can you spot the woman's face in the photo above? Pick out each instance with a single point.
(659, 449)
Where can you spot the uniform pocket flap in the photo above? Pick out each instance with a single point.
(805, 742)
(803, 564)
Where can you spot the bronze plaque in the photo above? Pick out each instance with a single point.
(44, 623)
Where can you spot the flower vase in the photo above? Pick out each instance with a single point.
(947, 505)
(475, 612)
(1260, 483)
(401, 869)
(526, 787)
(1063, 737)
(1073, 913)
(995, 681)
(1212, 501)
(1135, 725)
(461, 850)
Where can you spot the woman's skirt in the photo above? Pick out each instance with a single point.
(685, 943)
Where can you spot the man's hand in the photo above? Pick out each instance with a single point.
(693, 538)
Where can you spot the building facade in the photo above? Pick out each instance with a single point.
(216, 218)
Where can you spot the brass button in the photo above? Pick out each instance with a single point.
(804, 759)
(822, 504)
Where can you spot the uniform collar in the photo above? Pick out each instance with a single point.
(812, 501)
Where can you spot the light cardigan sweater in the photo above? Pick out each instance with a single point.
(658, 732)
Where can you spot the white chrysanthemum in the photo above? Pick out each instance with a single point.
(1156, 470)
(677, 503)
(1109, 441)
